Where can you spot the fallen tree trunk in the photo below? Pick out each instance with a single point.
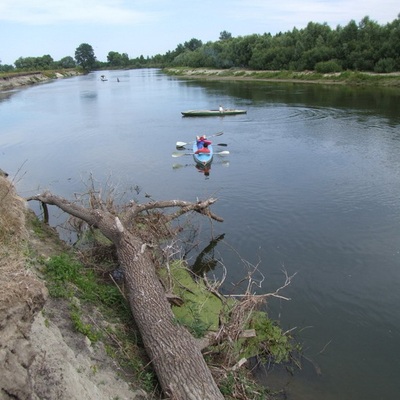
(174, 353)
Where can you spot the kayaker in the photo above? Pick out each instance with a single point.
(221, 109)
(202, 140)
(204, 148)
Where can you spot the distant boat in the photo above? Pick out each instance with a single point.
(103, 78)
(212, 113)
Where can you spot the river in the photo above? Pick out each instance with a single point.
(311, 187)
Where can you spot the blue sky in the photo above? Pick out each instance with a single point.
(33, 28)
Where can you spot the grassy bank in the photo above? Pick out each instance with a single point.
(343, 78)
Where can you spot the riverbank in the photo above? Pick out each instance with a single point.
(9, 81)
(66, 330)
(42, 354)
(337, 78)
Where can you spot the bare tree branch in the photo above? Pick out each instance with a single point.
(200, 206)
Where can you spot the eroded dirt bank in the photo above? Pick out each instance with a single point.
(30, 78)
(41, 355)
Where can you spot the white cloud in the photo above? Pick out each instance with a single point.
(48, 12)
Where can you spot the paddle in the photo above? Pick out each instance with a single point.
(182, 144)
(224, 163)
(219, 153)
(218, 144)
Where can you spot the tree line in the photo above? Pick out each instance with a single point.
(363, 46)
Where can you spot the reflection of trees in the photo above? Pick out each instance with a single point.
(382, 101)
(206, 260)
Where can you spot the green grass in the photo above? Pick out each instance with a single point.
(85, 289)
(66, 276)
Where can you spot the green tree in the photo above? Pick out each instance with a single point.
(392, 45)
(5, 67)
(195, 59)
(26, 63)
(223, 54)
(242, 49)
(116, 59)
(84, 56)
(259, 56)
(44, 62)
(316, 55)
(67, 62)
(385, 65)
(347, 38)
(224, 35)
(193, 44)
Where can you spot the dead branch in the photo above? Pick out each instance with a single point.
(201, 207)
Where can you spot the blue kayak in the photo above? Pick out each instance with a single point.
(202, 158)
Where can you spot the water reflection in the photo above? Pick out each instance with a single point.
(6, 95)
(206, 261)
(363, 101)
(89, 94)
(204, 169)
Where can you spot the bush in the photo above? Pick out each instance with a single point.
(327, 67)
(385, 65)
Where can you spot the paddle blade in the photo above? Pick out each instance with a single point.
(179, 154)
(223, 153)
(181, 144)
(177, 166)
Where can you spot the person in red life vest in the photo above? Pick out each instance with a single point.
(199, 141)
(202, 142)
(203, 149)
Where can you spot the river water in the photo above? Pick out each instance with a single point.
(311, 187)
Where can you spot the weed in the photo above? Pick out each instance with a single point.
(270, 342)
(82, 327)
(94, 369)
(238, 385)
(148, 380)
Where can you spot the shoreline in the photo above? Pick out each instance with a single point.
(308, 77)
(17, 80)
(14, 81)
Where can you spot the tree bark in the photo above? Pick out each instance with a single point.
(174, 353)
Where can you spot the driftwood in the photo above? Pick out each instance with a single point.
(174, 353)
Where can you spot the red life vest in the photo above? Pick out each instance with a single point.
(202, 150)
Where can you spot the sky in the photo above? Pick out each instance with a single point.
(33, 28)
